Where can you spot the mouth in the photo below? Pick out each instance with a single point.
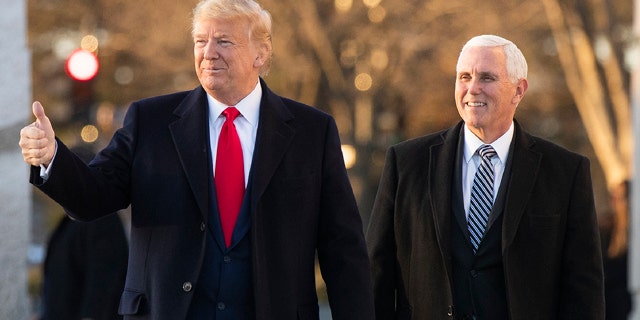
(475, 104)
(211, 68)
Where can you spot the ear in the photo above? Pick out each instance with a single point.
(521, 88)
(262, 55)
(258, 62)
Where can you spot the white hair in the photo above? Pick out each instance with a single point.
(516, 63)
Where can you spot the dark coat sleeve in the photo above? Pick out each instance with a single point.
(389, 295)
(582, 287)
(341, 247)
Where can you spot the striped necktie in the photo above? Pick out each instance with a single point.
(481, 201)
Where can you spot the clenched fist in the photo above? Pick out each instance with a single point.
(37, 140)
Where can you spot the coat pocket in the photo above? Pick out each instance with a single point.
(132, 303)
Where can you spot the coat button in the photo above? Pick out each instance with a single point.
(226, 259)
(187, 286)
(221, 306)
(450, 311)
(203, 226)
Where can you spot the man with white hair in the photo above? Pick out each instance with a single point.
(483, 220)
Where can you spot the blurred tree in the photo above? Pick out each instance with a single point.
(379, 66)
(407, 49)
(590, 37)
(384, 69)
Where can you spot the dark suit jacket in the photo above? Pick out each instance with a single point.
(301, 202)
(550, 245)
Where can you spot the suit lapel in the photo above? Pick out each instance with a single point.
(272, 141)
(190, 137)
(441, 172)
(457, 201)
(525, 166)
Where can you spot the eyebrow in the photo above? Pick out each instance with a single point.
(480, 74)
(488, 73)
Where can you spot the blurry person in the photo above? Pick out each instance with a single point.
(85, 267)
(233, 189)
(482, 220)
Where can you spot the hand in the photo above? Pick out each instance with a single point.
(37, 140)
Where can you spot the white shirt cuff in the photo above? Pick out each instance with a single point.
(45, 171)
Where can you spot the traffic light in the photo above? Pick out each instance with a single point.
(82, 66)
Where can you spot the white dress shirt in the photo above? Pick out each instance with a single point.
(471, 162)
(246, 125)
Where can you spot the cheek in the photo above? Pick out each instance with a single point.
(197, 67)
(196, 59)
(197, 54)
(460, 91)
(458, 88)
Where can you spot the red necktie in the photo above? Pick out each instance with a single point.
(229, 175)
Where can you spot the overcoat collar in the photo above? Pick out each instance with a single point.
(190, 137)
(441, 174)
(275, 133)
(524, 171)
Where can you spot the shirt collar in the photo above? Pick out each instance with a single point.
(501, 145)
(249, 106)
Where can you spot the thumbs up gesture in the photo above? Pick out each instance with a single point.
(37, 140)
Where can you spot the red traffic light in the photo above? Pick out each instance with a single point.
(82, 65)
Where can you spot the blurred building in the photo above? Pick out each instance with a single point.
(15, 199)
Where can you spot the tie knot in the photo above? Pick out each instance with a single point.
(486, 151)
(231, 113)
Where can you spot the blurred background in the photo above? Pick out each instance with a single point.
(385, 69)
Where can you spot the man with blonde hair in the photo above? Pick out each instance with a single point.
(233, 189)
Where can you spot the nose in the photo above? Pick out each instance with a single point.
(474, 87)
(210, 52)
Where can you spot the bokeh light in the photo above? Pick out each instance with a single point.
(343, 5)
(376, 14)
(349, 155)
(371, 3)
(89, 43)
(82, 65)
(363, 81)
(89, 133)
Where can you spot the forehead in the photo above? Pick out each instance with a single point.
(222, 26)
(486, 59)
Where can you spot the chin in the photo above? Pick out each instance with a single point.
(208, 83)
(473, 123)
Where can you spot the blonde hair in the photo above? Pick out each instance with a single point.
(250, 10)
